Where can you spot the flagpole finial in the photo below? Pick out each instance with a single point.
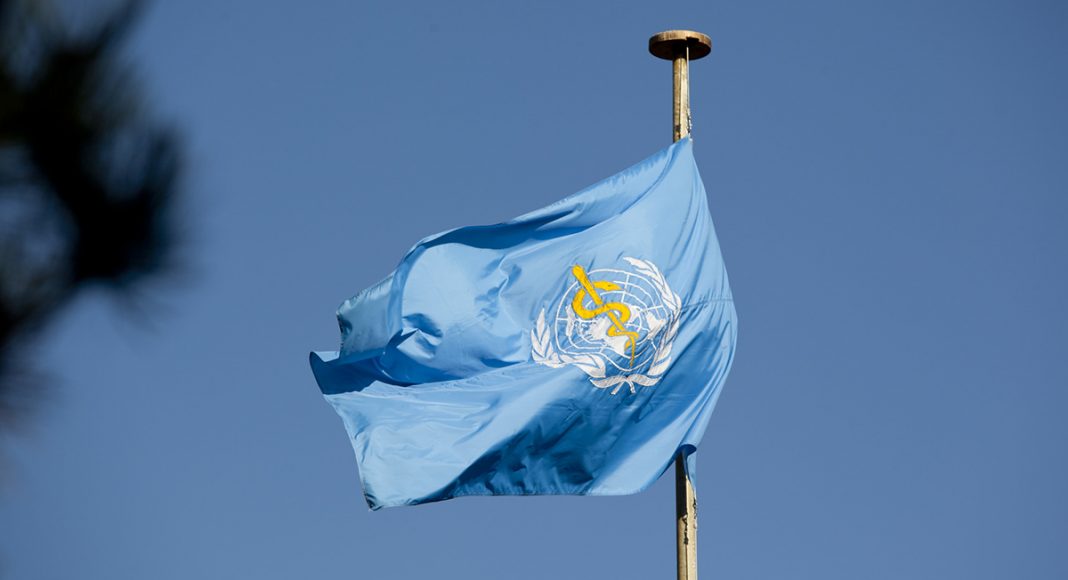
(672, 43)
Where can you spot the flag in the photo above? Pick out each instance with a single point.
(576, 349)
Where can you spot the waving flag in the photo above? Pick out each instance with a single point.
(574, 350)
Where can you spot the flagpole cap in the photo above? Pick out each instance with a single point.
(671, 43)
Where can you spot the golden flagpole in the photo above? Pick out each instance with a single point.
(680, 47)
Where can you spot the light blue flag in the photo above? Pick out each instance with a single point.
(574, 350)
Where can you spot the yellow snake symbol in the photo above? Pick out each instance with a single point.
(617, 312)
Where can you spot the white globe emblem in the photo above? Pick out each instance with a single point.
(616, 325)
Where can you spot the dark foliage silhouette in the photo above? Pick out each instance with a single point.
(87, 182)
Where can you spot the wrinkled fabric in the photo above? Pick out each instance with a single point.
(488, 362)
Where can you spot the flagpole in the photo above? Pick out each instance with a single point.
(680, 47)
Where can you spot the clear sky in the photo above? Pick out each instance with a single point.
(889, 182)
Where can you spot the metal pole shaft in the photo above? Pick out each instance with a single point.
(685, 522)
(680, 68)
(685, 500)
(680, 47)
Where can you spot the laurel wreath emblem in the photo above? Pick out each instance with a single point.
(543, 352)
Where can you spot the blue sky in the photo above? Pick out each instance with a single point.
(888, 181)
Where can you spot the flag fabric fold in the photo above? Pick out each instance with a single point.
(573, 350)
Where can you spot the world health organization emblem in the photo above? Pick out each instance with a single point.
(616, 325)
